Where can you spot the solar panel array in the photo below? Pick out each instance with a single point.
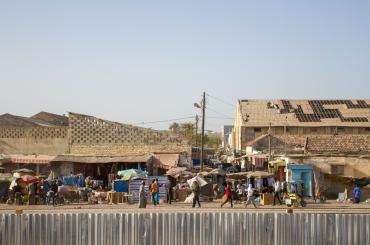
(320, 112)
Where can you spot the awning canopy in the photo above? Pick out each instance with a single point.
(166, 160)
(31, 159)
(102, 159)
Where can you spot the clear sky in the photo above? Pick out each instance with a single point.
(140, 61)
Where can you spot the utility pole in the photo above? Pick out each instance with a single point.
(196, 130)
(202, 136)
(269, 142)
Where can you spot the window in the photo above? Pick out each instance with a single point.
(337, 169)
(367, 130)
(257, 130)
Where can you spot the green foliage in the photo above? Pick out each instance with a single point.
(188, 130)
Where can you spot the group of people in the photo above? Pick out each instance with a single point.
(154, 191)
(229, 195)
(44, 190)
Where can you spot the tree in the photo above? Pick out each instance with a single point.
(174, 127)
(187, 129)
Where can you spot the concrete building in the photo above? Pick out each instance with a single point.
(86, 144)
(332, 135)
(299, 118)
(97, 145)
(32, 142)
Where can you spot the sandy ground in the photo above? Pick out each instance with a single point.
(328, 207)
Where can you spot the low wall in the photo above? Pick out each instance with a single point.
(185, 228)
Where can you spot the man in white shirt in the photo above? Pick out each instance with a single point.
(250, 196)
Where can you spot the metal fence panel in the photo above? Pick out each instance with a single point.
(181, 228)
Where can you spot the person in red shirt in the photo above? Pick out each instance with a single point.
(227, 197)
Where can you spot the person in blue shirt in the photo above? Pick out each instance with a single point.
(357, 193)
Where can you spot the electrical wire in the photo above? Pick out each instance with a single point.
(162, 121)
(221, 100)
(219, 113)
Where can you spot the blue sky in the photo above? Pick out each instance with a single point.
(143, 61)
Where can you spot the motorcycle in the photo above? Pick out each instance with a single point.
(294, 199)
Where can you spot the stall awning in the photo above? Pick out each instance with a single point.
(102, 159)
(166, 160)
(31, 159)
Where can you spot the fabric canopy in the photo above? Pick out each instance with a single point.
(131, 173)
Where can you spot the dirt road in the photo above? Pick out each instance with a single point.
(329, 207)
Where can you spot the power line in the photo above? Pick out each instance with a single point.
(221, 100)
(219, 113)
(168, 120)
(227, 118)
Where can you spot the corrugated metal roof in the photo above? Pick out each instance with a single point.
(181, 228)
(31, 159)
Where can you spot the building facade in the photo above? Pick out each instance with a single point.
(255, 118)
(331, 135)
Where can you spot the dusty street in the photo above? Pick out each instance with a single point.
(328, 207)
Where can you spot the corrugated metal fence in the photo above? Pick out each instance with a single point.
(180, 228)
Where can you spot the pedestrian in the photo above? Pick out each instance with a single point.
(142, 195)
(168, 192)
(32, 194)
(357, 193)
(195, 189)
(250, 196)
(153, 190)
(240, 192)
(228, 197)
(277, 189)
(157, 192)
(53, 191)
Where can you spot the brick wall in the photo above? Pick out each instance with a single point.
(94, 136)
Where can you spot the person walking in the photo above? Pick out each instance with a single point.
(168, 192)
(195, 189)
(277, 189)
(228, 196)
(250, 196)
(153, 191)
(142, 195)
(357, 193)
(32, 193)
(157, 192)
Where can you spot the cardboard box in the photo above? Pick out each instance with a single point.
(267, 199)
